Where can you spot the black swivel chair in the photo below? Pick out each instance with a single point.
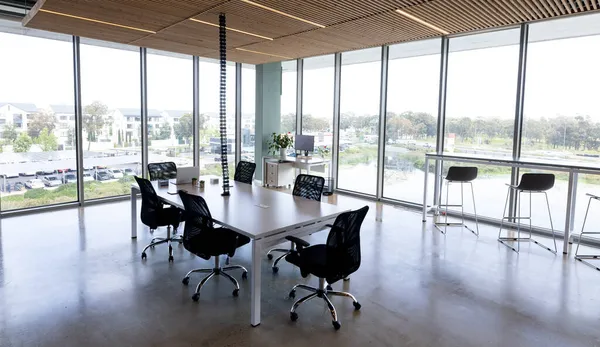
(244, 172)
(461, 175)
(162, 171)
(309, 187)
(154, 214)
(530, 183)
(201, 238)
(331, 262)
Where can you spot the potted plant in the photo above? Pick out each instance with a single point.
(280, 143)
(323, 151)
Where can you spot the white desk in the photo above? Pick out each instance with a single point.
(266, 226)
(300, 163)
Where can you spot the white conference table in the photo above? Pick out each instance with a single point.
(264, 215)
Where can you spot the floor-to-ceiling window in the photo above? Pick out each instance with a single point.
(317, 101)
(480, 110)
(359, 120)
(411, 119)
(561, 118)
(289, 77)
(170, 104)
(112, 128)
(248, 111)
(37, 119)
(209, 137)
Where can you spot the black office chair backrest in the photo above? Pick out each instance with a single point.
(344, 238)
(536, 182)
(461, 173)
(198, 219)
(151, 205)
(244, 172)
(162, 171)
(309, 187)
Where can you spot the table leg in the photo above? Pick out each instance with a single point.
(570, 210)
(255, 283)
(264, 172)
(133, 213)
(425, 189)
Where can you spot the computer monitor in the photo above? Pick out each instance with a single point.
(305, 143)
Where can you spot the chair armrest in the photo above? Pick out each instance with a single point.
(510, 185)
(297, 241)
(329, 225)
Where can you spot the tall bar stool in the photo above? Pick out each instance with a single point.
(462, 175)
(530, 183)
(582, 257)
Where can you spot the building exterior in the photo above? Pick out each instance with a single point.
(16, 114)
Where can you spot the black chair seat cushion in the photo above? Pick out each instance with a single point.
(217, 242)
(169, 216)
(322, 261)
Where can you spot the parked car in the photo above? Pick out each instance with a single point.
(27, 173)
(11, 175)
(115, 173)
(69, 178)
(19, 186)
(87, 177)
(34, 184)
(128, 172)
(102, 176)
(51, 181)
(48, 172)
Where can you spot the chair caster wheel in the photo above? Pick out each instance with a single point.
(171, 258)
(270, 256)
(329, 287)
(292, 294)
(275, 269)
(196, 297)
(143, 255)
(236, 292)
(357, 306)
(293, 316)
(245, 275)
(336, 325)
(346, 279)
(185, 280)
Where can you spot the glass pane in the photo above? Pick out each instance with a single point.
(110, 93)
(37, 122)
(481, 90)
(170, 105)
(359, 120)
(248, 110)
(561, 117)
(317, 102)
(288, 96)
(210, 141)
(411, 120)
(480, 107)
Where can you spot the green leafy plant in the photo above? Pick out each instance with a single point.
(280, 141)
(323, 151)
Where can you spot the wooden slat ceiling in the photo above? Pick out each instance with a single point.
(284, 29)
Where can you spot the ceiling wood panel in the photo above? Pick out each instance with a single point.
(350, 24)
(241, 15)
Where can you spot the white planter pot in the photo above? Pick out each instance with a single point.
(282, 152)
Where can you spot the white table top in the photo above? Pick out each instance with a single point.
(299, 160)
(252, 210)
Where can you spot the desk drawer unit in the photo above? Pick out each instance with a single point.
(280, 174)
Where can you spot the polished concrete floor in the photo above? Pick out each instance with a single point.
(75, 278)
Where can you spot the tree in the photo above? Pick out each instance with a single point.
(184, 128)
(47, 141)
(22, 143)
(39, 122)
(288, 123)
(164, 132)
(71, 136)
(10, 133)
(314, 124)
(95, 117)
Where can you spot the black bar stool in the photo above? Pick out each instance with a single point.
(582, 257)
(530, 183)
(462, 175)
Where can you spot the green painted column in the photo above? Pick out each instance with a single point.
(268, 110)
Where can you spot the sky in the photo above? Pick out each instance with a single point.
(562, 79)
